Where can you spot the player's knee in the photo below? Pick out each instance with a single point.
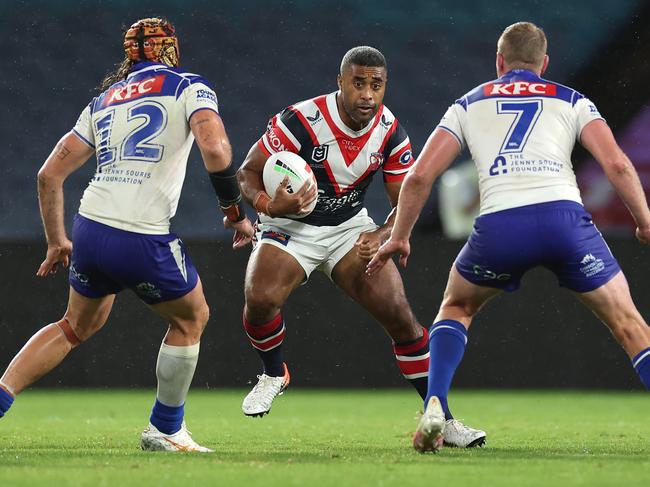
(262, 300)
(627, 327)
(72, 332)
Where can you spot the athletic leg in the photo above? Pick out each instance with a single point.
(179, 352)
(613, 305)
(461, 301)
(271, 276)
(52, 343)
(384, 298)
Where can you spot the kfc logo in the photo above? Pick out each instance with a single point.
(519, 88)
(135, 90)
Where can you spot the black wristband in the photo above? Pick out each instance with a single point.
(227, 190)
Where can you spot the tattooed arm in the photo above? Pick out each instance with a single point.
(68, 155)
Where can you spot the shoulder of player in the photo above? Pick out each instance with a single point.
(186, 79)
(473, 95)
(565, 93)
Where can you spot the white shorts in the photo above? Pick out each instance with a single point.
(313, 247)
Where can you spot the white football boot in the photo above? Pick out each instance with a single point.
(154, 440)
(431, 428)
(461, 436)
(258, 401)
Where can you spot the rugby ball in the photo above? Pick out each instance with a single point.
(288, 164)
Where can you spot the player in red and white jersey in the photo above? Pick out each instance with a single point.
(342, 159)
(521, 130)
(141, 129)
(345, 137)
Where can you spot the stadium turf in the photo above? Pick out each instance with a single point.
(337, 438)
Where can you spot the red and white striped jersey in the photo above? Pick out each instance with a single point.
(343, 160)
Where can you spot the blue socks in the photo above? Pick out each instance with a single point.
(6, 400)
(167, 419)
(641, 363)
(447, 340)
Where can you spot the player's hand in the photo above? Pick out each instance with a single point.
(643, 235)
(386, 251)
(368, 243)
(285, 203)
(244, 232)
(56, 254)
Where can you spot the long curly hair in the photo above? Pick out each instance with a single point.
(120, 73)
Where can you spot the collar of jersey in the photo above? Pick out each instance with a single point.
(519, 75)
(144, 66)
(336, 117)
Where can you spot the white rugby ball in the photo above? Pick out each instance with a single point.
(283, 164)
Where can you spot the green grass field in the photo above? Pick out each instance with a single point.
(336, 438)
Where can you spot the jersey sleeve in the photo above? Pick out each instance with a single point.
(84, 127)
(284, 131)
(453, 120)
(398, 154)
(586, 112)
(199, 96)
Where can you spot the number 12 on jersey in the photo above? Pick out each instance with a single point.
(526, 115)
(136, 146)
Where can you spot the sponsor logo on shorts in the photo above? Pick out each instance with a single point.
(590, 265)
(490, 275)
(148, 290)
(279, 237)
(78, 276)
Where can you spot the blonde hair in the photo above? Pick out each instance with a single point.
(522, 45)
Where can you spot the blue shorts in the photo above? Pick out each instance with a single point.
(106, 260)
(558, 235)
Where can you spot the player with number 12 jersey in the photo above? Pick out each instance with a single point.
(141, 129)
(139, 179)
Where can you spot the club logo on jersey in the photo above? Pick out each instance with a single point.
(319, 154)
(376, 160)
(406, 157)
(279, 237)
(315, 118)
(519, 88)
(135, 90)
(385, 122)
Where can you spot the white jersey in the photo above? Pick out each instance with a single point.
(140, 131)
(520, 130)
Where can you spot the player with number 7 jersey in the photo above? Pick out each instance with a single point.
(521, 130)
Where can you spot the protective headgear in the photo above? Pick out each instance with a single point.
(154, 40)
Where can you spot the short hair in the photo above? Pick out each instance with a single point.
(363, 56)
(522, 44)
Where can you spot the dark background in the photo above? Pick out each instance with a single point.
(261, 57)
